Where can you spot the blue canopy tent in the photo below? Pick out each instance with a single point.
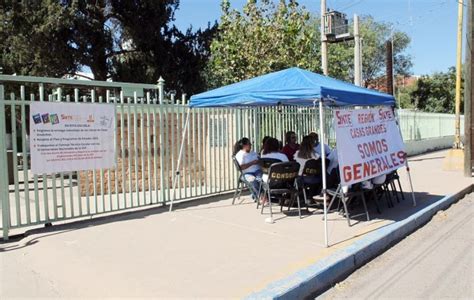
(295, 87)
(292, 86)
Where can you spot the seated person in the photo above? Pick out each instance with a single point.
(270, 150)
(248, 162)
(265, 138)
(317, 145)
(305, 153)
(291, 145)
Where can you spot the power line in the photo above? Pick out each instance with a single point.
(357, 2)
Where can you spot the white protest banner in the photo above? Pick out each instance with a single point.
(369, 143)
(71, 136)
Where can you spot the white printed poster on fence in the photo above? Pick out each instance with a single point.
(68, 137)
(369, 143)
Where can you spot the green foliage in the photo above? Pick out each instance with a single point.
(436, 93)
(119, 39)
(264, 37)
(35, 38)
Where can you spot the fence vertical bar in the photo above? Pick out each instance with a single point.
(94, 173)
(148, 152)
(24, 131)
(142, 150)
(86, 183)
(61, 174)
(78, 179)
(5, 201)
(71, 196)
(53, 181)
(35, 182)
(122, 148)
(200, 149)
(101, 174)
(109, 171)
(161, 96)
(15, 157)
(155, 152)
(135, 149)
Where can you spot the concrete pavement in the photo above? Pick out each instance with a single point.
(437, 261)
(204, 249)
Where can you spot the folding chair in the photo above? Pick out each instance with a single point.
(282, 184)
(310, 181)
(241, 181)
(346, 198)
(390, 182)
(266, 163)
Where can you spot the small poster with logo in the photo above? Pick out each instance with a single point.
(67, 137)
(369, 144)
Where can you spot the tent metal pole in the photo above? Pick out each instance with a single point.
(178, 165)
(406, 161)
(323, 161)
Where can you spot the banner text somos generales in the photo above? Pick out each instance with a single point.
(369, 143)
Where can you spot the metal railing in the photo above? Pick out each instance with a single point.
(148, 136)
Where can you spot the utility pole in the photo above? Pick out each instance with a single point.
(324, 41)
(468, 96)
(457, 134)
(389, 65)
(357, 53)
(454, 160)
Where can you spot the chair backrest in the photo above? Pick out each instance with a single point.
(283, 174)
(314, 168)
(266, 163)
(236, 164)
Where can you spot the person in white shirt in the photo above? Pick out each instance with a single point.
(270, 150)
(249, 163)
(317, 145)
(305, 153)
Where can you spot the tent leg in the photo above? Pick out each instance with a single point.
(406, 162)
(178, 165)
(411, 183)
(323, 161)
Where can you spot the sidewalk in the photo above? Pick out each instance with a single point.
(203, 249)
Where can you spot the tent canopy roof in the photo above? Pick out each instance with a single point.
(293, 86)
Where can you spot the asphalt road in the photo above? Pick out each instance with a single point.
(436, 261)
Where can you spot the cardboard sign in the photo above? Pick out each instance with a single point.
(68, 137)
(369, 143)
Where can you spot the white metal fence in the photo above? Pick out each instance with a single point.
(148, 135)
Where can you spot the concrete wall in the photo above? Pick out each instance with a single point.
(425, 145)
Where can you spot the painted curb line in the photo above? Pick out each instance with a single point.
(322, 274)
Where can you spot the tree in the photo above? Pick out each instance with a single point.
(35, 38)
(119, 39)
(436, 93)
(262, 38)
(265, 37)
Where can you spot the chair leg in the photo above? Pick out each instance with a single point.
(376, 200)
(270, 204)
(401, 191)
(236, 191)
(343, 199)
(365, 206)
(394, 190)
(299, 205)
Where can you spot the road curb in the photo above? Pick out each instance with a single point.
(321, 275)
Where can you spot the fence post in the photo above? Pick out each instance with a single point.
(4, 166)
(161, 89)
(161, 96)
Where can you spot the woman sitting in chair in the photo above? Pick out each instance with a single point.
(305, 153)
(270, 150)
(249, 164)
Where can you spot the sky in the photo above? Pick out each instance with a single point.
(431, 24)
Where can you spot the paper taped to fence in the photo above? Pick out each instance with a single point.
(369, 143)
(71, 136)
